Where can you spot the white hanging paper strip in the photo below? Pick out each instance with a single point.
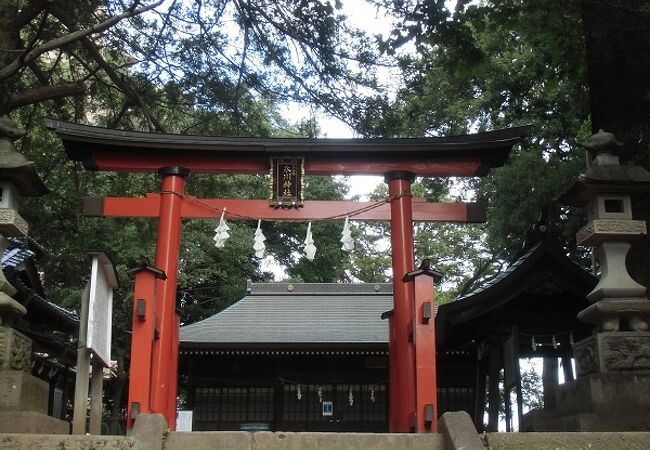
(310, 248)
(346, 237)
(221, 232)
(258, 242)
(351, 398)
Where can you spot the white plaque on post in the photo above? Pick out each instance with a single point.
(100, 307)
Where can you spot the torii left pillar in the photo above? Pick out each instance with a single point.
(164, 355)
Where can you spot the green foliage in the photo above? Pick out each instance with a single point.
(490, 65)
(144, 65)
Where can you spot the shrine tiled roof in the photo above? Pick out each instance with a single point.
(18, 257)
(285, 314)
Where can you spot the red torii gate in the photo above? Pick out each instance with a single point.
(153, 377)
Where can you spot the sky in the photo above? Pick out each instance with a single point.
(368, 18)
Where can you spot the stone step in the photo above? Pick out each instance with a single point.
(266, 440)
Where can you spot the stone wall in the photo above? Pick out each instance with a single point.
(325, 441)
(568, 441)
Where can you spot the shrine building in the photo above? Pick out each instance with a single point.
(314, 357)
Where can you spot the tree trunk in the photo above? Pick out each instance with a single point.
(617, 34)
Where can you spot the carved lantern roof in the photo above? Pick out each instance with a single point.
(605, 174)
(15, 167)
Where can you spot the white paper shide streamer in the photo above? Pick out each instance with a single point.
(346, 237)
(258, 241)
(310, 248)
(221, 232)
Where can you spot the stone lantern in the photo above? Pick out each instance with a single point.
(24, 398)
(612, 392)
(606, 191)
(18, 178)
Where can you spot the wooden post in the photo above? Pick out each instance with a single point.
(142, 338)
(83, 364)
(567, 367)
(424, 343)
(481, 383)
(96, 389)
(495, 368)
(550, 381)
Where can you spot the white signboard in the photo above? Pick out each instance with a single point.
(183, 420)
(100, 307)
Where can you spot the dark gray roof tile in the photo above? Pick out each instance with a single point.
(314, 314)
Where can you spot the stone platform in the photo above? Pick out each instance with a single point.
(597, 402)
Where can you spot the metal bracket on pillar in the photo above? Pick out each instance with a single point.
(428, 414)
(135, 410)
(399, 175)
(174, 170)
(427, 311)
(140, 308)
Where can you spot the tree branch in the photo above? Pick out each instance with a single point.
(43, 93)
(29, 13)
(13, 67)
(110, 71)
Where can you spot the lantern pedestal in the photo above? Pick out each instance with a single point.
(23, 397)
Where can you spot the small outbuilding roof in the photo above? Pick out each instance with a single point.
(541, 292)
(286, 314)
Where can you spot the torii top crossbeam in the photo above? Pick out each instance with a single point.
(116, 150)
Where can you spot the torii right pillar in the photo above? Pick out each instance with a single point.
(400, 347)
(412, 346)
